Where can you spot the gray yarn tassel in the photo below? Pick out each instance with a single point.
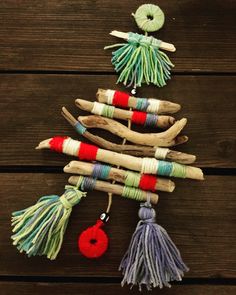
(152, 259)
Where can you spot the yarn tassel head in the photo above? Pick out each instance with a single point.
(140, 61)
(39, 229)
(152, 259)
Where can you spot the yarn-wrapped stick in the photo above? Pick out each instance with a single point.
(129, 178)
(166, 138)
(124, 100)
(152, 258)
(135, 150)
(39, 229)
(90, 183)
(137, 117)
(90, 152)
(163, 45)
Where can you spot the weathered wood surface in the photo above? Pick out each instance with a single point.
(31, 105)
(101, 289)
(70, 35)
(198, 216)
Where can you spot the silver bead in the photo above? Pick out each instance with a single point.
(133, 91)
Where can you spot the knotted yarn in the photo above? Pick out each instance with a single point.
(152, 258)
(39, 229)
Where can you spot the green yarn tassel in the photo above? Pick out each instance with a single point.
(140, 61)
(39, 229)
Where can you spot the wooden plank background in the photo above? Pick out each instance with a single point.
(51, 52)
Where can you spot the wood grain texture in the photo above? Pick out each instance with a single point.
(101, 289)
(70, 35)
(31, 107)
(199, 217)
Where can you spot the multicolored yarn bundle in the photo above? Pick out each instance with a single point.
(140, 60)
(39, 229)
(152, 258)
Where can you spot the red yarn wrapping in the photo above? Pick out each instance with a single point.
(120, 99)
(139, 117)
(148, 182)
(56, 143)
(87, 152)
(93, 242)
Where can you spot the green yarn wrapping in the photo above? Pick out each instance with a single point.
(149, 17)
(39, 229)
(140, 61)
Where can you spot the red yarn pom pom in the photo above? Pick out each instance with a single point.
(93, 241)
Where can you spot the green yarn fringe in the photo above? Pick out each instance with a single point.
(140, 61)
(39, 229)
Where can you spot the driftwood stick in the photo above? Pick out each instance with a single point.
(127, 161)
(162, 121)
(163, 139)
(115, 189)
(119, 175)
(135, 150)
(163, 45)
(165, 107)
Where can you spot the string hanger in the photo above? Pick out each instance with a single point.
(140, 60)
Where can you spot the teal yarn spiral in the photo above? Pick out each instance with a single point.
(140, 61)
(149, 17)
(39, 229)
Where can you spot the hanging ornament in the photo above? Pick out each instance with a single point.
(93, 242)
(152, 259)
(140, 60)
(40, 228)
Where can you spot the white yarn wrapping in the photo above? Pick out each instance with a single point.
(71, 147)
(161, 153)
(153, 105)
(97, 108)
(149, 166)
(110, 94)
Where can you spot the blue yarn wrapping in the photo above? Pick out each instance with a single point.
(164, 168)
(142, 104)
(101, 171)
(151, 120)
(79, 128)
(152, 259)
(141, 61)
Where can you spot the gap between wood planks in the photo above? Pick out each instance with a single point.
(59, 170)
(112, 280)
(111, 73)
